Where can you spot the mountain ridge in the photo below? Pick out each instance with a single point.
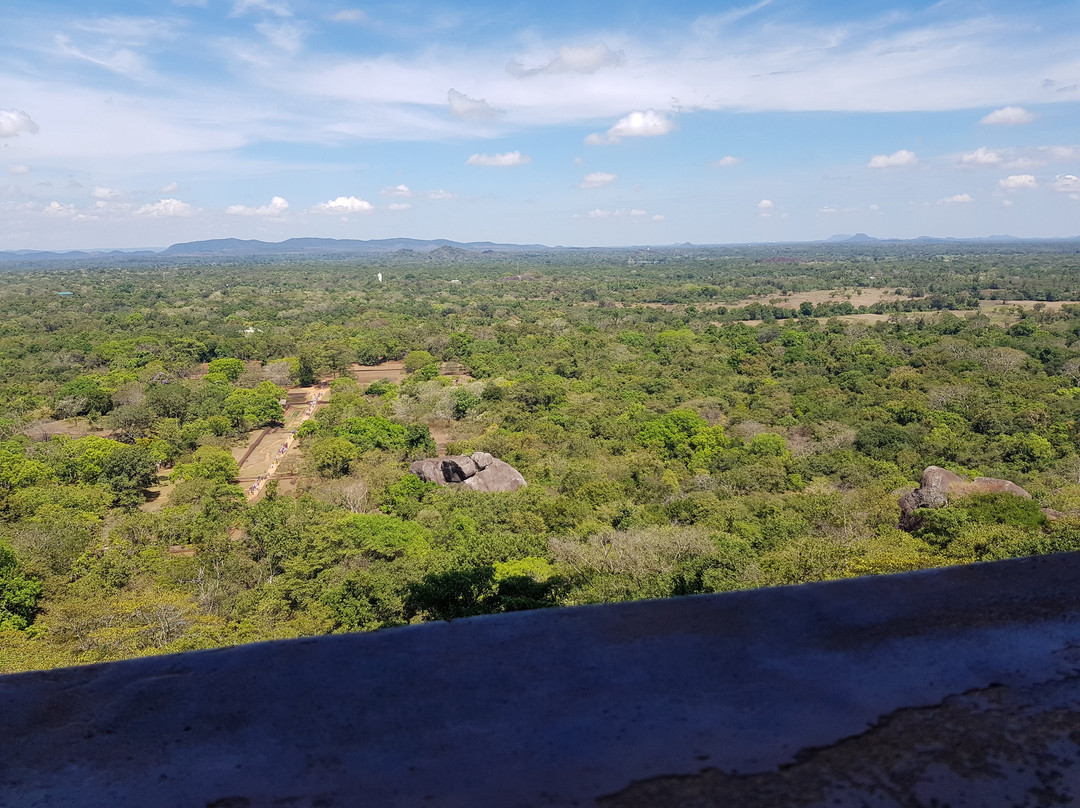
(313, 246)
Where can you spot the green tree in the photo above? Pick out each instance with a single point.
(208, 463)
(128, 471)
(331, 457)
(230, 367)
(415, 360)
(18, 594)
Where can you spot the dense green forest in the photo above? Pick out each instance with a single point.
(688, 420)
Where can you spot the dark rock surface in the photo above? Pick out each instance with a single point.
(479, 471)
(956, 686)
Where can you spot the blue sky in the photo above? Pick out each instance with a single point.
(139, 124)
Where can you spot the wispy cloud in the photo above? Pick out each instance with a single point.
(106, 194)
(242, 7)
(285, 37)
(349, 15)
(601, 213)
(956, 199)
(464, 107)
(597, 179)
(124, 61)
(571, 59)
(898, 159)
(726, 161)
(398, 190)
(514, 158)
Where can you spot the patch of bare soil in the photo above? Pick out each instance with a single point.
(366, 374)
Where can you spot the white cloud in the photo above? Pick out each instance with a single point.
(1066, 183)
(103, 193)
(397, 190)
(597, 179)
(277, 206)
(514, 158)
(462, 106)
(1008, 116)
(874, 208)
(571, 59)
(1007, 203)
(828, 210)
(601, 213)
(241, 7)
(54, 208)
(725, 161)
(648, 123)
(165, 207)
(956, 199)
(658, 217)
(1017, 181)
(399, 206)
(982, 156)
(349, 15)
(898, 159)
(15, 121)
(765, 204)
(171, 188)
(344, 204)
(17, 168)
(440, 195)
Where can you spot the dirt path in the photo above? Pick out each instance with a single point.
(264, 455)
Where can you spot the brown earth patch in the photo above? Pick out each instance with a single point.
(366, 374)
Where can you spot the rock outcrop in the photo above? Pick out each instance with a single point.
(479, 471)
(939, 485)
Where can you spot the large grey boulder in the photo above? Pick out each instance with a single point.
(496, 476)
(479, 471)
(939, 485)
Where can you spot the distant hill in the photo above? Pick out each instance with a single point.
(331, 246)
(862, 238)
(436, 249)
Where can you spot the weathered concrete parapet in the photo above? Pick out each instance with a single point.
(956, 686)
(479, 471)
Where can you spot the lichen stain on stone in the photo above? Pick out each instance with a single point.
(996, 745)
